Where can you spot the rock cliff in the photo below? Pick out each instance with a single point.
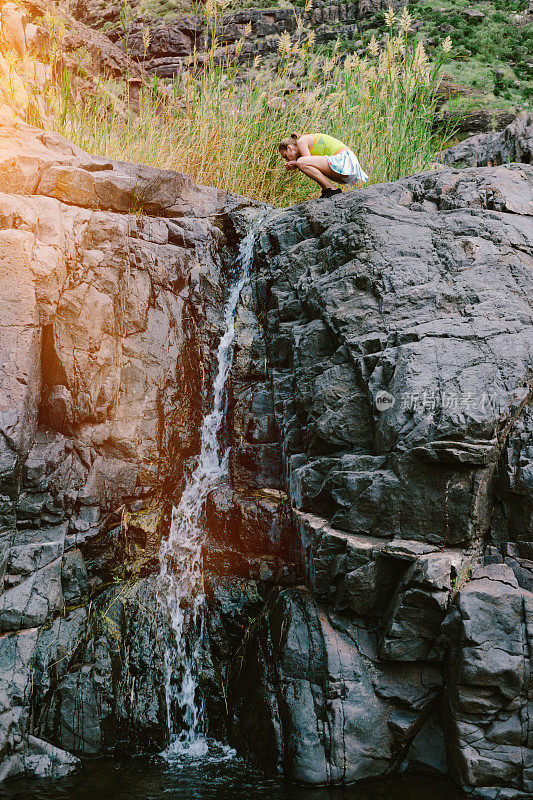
(397, 327)
(164, 46)
(368, 563)
(113, 278)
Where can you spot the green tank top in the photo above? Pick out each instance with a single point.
(325, 145)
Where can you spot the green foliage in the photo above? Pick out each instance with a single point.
(462, 578)
(514, 6)
(496, 42)
(495, 38)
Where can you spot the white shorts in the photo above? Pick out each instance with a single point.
(348, 168)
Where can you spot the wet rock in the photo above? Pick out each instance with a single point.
(78, 689)
(43, 760)
(307, 686)
(233, 602)
(110, 697)
(277, 690)
(59, 645)
(17, 651)
(258, 522)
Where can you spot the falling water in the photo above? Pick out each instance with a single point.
(180, 586)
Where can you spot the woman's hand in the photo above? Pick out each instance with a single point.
(291, 165)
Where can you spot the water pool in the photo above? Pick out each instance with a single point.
(210, 778)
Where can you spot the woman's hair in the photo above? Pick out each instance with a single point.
(292, 139)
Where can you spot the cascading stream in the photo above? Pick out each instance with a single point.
(180, 585)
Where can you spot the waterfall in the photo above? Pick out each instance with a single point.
(180, 586)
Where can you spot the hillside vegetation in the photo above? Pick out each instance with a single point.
(492, 49)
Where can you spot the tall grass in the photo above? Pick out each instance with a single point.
(223, 131)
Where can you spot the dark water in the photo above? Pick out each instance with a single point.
(209, 779)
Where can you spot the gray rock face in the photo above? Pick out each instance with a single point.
(397, 328)
(417, 611)
(489, 684)
(173, 41)
(477, 122)
(305, 690)
(108, 695)
(514, 143)
(396, 285)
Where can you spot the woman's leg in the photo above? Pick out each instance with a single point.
(318, 169)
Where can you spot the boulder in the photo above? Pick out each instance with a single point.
(475, 121)
(43, 760)
(514, 143)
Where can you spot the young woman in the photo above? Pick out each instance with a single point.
(323, 159)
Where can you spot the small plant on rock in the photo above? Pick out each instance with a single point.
(462, 578)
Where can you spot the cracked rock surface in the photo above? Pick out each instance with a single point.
(514, 143)
(410, 645)
(113, 278)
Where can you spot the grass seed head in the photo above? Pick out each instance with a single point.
(405, 20)
(373, 47)
(447, 45)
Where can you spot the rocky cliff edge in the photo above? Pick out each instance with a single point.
(369, 559)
